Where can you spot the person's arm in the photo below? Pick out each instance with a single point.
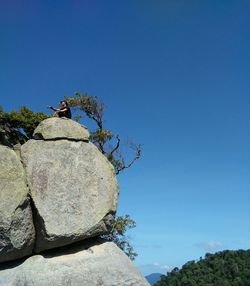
(63, 110)
(55, 109)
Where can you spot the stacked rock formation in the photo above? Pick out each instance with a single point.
(57, 196)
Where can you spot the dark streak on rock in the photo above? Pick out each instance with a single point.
(38, 136)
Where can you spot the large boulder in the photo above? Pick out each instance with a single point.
(73, 188)
(99, 265)
(61, 128)
(17, 234)
(68, 189)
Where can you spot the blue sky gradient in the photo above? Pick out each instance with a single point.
(174, 76)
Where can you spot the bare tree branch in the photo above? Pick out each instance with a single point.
(94, 109)
(117, 145)
(137, 156)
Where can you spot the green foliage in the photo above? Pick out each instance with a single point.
(107, 142)
(226, 268)
(18, 127)
(90, 105)
(24, 119)
(118, 234)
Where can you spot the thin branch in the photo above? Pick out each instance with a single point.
(101, 147)
(117, 145)
(137, 156)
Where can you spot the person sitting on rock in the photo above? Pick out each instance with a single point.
(64, 111)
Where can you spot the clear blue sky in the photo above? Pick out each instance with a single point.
(174, 75)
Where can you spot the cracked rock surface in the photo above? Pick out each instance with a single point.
(101, 264)
(73, 188)
(57, 195)
(17, 233)
(61, 128)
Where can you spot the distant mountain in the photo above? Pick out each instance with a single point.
(153, 278)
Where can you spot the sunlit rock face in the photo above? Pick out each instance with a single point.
(73, 186)
(61, 128)
(17, 233)
(101, 264)
(58, 194)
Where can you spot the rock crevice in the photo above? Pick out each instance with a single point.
(56, 196)
(38, 136)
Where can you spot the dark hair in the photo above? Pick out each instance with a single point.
(66, 102)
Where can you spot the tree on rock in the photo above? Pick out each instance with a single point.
(16, 127)
(107, 142)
